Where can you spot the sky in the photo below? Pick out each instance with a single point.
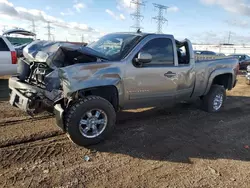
(201, 21)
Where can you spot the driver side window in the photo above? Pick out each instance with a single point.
(161, 50)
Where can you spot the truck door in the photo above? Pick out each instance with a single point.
(186, 70)
(153, 83)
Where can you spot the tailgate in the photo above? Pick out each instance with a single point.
(5, 58)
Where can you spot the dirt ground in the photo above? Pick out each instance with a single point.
(177, 147)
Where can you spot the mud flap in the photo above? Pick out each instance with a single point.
(58, 111)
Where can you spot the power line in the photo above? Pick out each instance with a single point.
(160, 19)
(137, 14)
(33, 26)
(82, 38)
(229, 37)
(53, 37)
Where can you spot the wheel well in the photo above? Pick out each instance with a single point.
(109, 93)
(224, 80)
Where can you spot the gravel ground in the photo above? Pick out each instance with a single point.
(177, 147)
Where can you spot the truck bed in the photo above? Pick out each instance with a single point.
(205, 68)
(199, 58)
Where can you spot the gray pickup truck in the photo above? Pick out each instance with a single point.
(85, 86)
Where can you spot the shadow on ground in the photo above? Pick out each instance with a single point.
(183, 132)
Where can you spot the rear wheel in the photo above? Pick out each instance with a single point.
(90, 120)
(214, 100)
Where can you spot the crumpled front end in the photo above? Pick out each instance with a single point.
(31, 98)
(49, 76)
(38, 86)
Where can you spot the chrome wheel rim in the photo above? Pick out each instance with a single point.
(93, 123)
(218, 101)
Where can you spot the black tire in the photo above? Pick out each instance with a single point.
(78, 109)
(208, 100)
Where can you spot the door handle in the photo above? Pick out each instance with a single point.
(170, 74)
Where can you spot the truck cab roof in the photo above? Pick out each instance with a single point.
(142, 34)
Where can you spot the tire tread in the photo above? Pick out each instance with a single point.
(73, 109)
(207, 99)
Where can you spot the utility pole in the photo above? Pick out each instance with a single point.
(82, 38)
(49, 30)
(33, 26)
(137, 14)
(160, 19)
(53, 36)
(229, 37)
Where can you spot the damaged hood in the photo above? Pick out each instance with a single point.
(60, 54)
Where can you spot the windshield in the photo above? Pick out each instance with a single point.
(115, 46)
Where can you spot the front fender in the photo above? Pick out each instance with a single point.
(215, 73)
(81, 76)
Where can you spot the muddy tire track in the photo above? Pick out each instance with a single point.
(32, 138)
(29, 119)
(33, 150)
(28, 131)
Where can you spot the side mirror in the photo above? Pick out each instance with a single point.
(144, 58)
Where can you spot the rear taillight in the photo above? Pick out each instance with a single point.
(14, 57)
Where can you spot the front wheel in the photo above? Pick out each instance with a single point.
(214, 100)
(90, 120)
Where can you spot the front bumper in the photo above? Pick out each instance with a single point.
(59, 114)
(248, 76)
(19, 100)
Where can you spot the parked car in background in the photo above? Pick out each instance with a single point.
(8, 57)
(19, 43)
(204, 52)
(86, 86)
(220, 54)
(196, 52)
(248, 75)
(11, 50)
(244, 60)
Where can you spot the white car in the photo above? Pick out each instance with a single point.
(8, 58)
(10, 52)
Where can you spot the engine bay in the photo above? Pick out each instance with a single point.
(42, 59)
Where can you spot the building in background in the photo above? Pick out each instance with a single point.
(226, 49)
